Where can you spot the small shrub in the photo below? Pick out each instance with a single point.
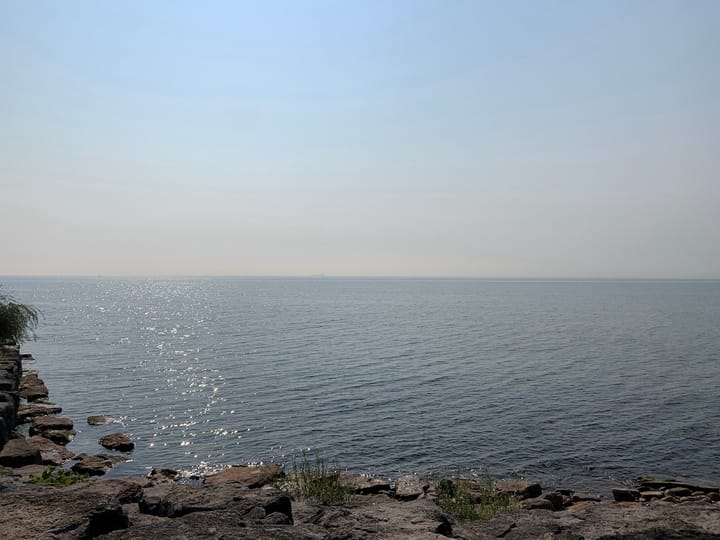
(53, 476)
(482, 503)
(317, 482)
(17, 321)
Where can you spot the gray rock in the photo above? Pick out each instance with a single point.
(679, 491)
(59, 436)
(98, 420)
(363, 484)
(410, 487)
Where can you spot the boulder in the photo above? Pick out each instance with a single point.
(95, 465)
(17, 453)
(59, 436)
(585, 497)
(247, 476)
(410, 487)
(679, 491)
(557, 499)
(117, 441)
(650, 495)
(28, 412)
(50, 452)
(625, 494)
(362, 484)
(32, 388)
(537, 503)
(41, 424)
(520, 489)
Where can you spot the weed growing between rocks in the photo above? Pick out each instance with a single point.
(53, 476)
(317, 482)
(481, 503)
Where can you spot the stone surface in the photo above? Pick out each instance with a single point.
(249, 477)
(537, 503)
(59, 436)
(410, 487)
(40, 424)
(363, 484)
(17, 453)
(32, 388)
(678, 491)
(522, 489)
(117, 441)
(625, 494)
(135, 509)
(98, 420)
(581, 497)
(96, 465)
(28, 412)
(51, 453)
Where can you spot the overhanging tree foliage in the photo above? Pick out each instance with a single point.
(17, 321)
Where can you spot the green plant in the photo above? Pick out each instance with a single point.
(317, 482)
(53, 476)
(482, 502)
(17, 321)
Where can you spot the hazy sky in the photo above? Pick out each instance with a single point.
(518, 139)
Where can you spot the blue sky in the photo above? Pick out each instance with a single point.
(518, 139)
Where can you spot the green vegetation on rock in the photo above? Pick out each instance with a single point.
(315, 481)
(17, 321)
(54, 476)
(464, 499)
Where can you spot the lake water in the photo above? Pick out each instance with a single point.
(579, 384)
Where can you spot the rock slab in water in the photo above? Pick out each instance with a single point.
(117, 441)
(363, 484)
(41, 424)
(32, 388)
(27, 413)
(98, 420)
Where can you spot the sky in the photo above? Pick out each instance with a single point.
(368, 138)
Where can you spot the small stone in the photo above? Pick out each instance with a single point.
(117, 441)
(98, 420)
(713, 496)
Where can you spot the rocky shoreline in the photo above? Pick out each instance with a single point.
(258, 502)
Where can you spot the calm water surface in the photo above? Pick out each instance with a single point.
(578, 384)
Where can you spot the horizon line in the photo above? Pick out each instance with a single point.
(358, 276)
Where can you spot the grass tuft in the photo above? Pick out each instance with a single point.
(480, 503)
(17, 321)
(315, 481)
(53, 476)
